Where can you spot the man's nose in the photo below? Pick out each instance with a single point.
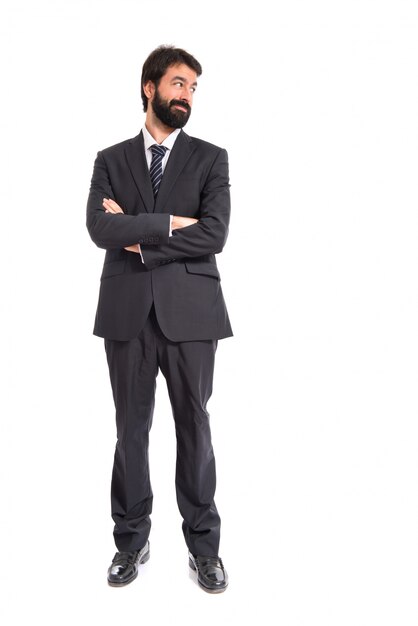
(186, 95)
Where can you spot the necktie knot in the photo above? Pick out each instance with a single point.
(158, 151)
(156, 168)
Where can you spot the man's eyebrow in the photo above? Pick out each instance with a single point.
(184, 80)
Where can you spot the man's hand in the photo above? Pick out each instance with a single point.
(182, 222)
(134, 248)
(111, 206)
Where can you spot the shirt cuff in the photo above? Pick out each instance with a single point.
(171, 221)
(139, 250)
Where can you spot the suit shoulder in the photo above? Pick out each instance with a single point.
(116, 148)
(206, 146)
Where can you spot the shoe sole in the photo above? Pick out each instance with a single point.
(201, 585)
(144, 559)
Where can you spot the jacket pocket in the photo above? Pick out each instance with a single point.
(112, 268)
(202, 267)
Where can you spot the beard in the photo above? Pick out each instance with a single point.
(167, 114)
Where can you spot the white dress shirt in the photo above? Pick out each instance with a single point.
(167, 143)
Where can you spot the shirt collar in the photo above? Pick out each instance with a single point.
(168, 141)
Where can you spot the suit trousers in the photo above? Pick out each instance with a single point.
(188, 368)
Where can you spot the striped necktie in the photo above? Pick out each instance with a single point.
(156, 169)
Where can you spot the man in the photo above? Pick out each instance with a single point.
(159, 205)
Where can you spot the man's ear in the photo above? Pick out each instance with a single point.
(149, 89)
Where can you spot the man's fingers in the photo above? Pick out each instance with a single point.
(180, 221)
(111, 206)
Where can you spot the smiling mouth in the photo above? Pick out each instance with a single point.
(180, 108)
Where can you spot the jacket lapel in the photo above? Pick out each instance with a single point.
(135, 155)
(180, 154)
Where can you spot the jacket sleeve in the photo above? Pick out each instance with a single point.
(119, 230)
(210, 233)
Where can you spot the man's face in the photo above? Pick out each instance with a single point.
(172, 100)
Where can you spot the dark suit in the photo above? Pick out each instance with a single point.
(166, 313)
(184, 282)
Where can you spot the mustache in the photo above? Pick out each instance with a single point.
(180, 103)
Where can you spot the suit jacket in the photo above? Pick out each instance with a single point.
(179, 273)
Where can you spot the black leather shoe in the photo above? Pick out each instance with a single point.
(211, 574)
(124, 568)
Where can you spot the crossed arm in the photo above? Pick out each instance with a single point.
(110, 228)
(178, 221)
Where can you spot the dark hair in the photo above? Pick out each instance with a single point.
(159, 61)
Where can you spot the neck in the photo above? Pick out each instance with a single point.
(156, 128)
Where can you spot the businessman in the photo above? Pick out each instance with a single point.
(159, 205)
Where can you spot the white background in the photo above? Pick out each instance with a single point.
(314, 409)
